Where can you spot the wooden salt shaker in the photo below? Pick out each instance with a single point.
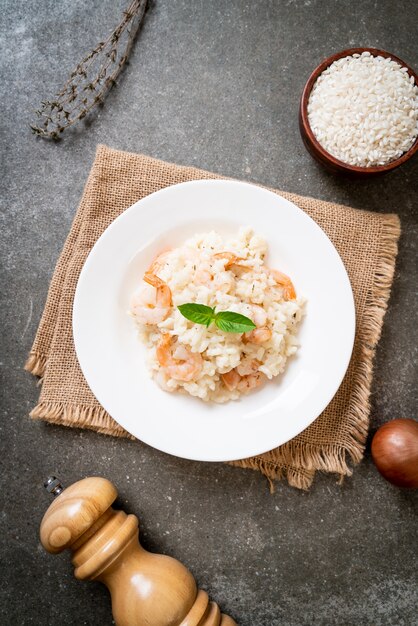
(146, 589)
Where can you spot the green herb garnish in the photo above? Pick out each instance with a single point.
(228, 321)
(198, 313)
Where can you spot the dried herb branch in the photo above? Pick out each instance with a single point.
(93, 77)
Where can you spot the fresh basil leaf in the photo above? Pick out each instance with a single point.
(198, 313)
(228, 321)
(231, 322)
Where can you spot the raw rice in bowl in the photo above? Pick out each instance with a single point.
(227, 274)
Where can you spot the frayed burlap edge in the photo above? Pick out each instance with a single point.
(92, 418)
(295, 461)
(36, 363)
(281, 462)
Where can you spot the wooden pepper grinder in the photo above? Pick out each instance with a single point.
(146, 589)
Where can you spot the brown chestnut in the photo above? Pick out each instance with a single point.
(395, 452)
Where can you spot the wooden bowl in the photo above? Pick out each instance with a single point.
(315, 148)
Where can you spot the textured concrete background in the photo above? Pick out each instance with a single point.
(214, 84)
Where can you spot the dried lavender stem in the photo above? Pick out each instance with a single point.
(92, 78)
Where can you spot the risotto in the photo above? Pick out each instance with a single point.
(226, 274)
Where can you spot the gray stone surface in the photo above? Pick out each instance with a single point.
(214, 84)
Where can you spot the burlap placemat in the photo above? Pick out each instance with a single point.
(367, 243)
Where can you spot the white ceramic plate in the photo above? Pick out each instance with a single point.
(113, 359)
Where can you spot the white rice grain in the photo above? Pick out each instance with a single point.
(363, 109)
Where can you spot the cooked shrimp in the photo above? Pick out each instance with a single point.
(178, 361)
(152, 303)
(159, 284)
(230, 259)
(233, 381)
(261, 334)
(247, 366)
(250, 382)
(258, 335)
(284, 281)
(158, 263)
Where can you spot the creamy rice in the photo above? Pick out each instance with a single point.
(195, 276)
